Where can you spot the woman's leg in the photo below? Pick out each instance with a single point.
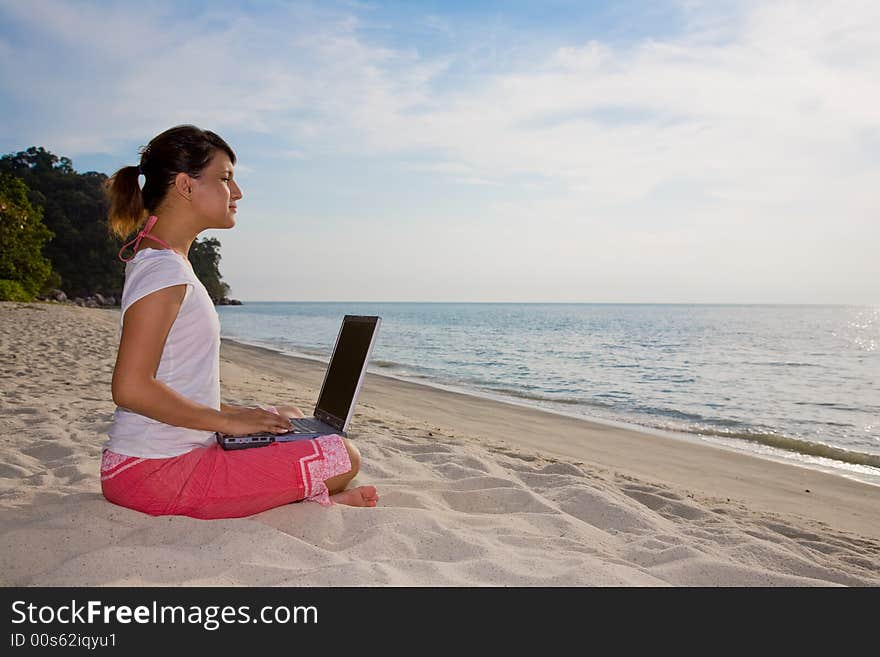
(360, 496)
(288, 410)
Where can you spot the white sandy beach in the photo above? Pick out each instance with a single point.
(468, 496)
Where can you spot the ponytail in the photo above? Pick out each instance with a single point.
(126, 202)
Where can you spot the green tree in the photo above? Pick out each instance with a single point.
(24, 271)
(205, 258)
(75, 210)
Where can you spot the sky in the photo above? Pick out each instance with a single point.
(610, 152)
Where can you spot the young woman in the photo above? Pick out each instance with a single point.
(162, 456)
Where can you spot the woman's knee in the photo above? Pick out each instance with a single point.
(353, 455)
(288, 410)
(340, 481)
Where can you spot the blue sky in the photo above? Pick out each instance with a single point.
(716, 152)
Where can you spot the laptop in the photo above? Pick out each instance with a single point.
(339, 392)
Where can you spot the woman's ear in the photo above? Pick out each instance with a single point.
(183, 185)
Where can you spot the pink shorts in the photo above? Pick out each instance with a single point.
(210, 482)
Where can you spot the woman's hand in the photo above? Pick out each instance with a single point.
(243, 420)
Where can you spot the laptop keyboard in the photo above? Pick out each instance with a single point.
(305, 426)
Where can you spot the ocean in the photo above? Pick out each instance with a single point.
(799, 383)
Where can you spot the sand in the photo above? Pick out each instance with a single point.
(468, 496)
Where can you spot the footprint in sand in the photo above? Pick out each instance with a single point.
(543, 482)
(456, 471)
(666, 504)
(425, 449)
(24, 410)
(654, 557)
(442, 458)
(48, 452)
(562, 468)
(555, 472)
(11, 471)
(480, 483)
(496, 501)
(70, 473)
(405, 499)
(522, 457)
(604, 511)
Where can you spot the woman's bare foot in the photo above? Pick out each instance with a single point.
(360, 496)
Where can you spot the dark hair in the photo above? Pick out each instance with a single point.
(181, 149)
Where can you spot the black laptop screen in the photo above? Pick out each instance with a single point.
(344, 370)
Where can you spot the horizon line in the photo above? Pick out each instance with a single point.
(592, 303)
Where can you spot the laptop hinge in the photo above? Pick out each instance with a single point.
(334, 422)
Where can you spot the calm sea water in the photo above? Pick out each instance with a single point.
(797, 382)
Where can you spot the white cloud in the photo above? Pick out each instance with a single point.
(756, 127)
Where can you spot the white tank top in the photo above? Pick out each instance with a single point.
(190, 362)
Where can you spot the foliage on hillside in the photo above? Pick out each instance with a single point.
(65, 242)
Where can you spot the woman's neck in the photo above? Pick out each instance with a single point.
(173, 231)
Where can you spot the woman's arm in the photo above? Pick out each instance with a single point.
(145, 328)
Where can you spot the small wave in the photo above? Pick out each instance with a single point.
(835, 405)
(614, 395)
(385, 364)
(664, 378)
(673, 413)
(520, 394)
(798, 445)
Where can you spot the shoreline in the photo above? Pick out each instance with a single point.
(849, 469)
(690, 464)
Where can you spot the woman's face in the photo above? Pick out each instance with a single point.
(215, 193)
